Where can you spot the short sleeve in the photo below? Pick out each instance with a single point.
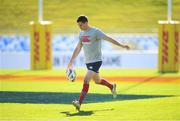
(100, 34)
(80, 37)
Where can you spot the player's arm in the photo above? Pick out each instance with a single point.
(75, 54)
(116, 42)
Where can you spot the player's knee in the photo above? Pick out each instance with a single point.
(97, 81)
(86, 82)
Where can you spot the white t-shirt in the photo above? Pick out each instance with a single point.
(91, 40)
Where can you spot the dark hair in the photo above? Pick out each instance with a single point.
(82, 19)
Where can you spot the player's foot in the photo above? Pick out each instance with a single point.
(76, 104)
(114, 91)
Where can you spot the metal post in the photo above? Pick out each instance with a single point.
(169, 10)
(40, 11)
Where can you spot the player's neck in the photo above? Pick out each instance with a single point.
(88, 28)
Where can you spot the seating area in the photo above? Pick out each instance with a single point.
(21, 43)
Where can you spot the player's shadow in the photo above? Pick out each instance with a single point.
(84, 113)
(66, 98)
(80, 113)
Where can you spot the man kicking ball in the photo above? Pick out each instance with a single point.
(90, 39)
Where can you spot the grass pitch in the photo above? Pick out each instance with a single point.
(157, 97)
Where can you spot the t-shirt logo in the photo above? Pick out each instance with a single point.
(85, 39)
(90, 67)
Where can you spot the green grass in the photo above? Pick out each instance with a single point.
(109, 15)
(51, 100)
(81, 72)
(143, 109)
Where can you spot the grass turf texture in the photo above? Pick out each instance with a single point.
(51, 100)
(109, 15)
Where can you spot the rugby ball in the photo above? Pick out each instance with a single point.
(71, 75)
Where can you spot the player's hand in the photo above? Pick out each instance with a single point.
(127, 47)
(70, 65)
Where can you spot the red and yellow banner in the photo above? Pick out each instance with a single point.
(169, 36)
(41, 41)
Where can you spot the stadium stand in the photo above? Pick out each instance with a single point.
(21, 43)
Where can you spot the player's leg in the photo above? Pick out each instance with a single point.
(84, 91)
(95, 68)
(101, 81)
